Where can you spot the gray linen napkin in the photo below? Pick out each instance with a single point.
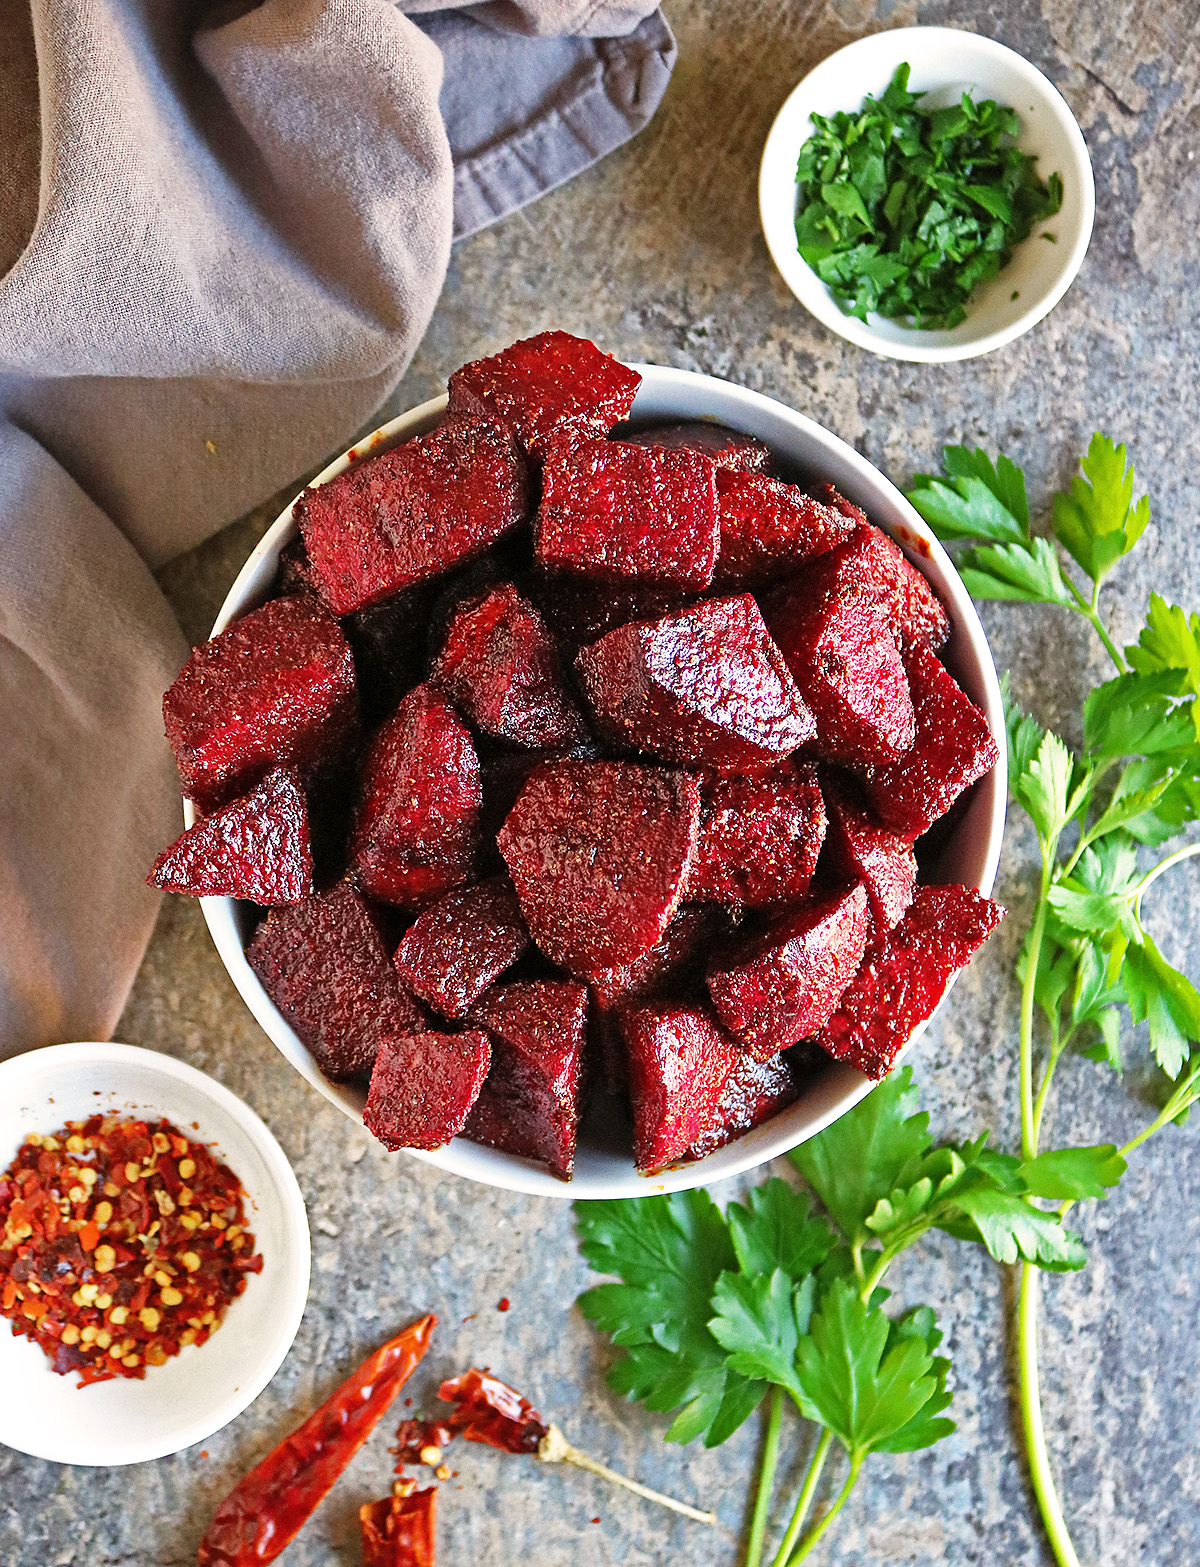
(220, 246)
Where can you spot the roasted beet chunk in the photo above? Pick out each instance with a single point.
(861, 849)
(577, 610)
(501, 668)
(530, 1104)
(412, 512)
(872, 569)
(457, 948)
(599, 853)
(389, 645)
(276, 688)
(546, 389)
(732, 451)
(759, 838)
(679, 1062)
(906, 974)
(423, 1087)
(704, 686)
(953, 747)
(769, 529)
(784, 983)
(258, 848)
(614, 511)
(416, 830)
(754, 1091)
(674, 965)
(294, 573)
(324, 965)
(849, 672)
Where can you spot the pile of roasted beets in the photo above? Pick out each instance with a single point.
(627, 723)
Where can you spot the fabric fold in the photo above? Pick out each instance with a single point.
(225, 229)
(87, 645)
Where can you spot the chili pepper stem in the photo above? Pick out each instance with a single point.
(555, 1449)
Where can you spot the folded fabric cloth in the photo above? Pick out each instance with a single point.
(220, 246)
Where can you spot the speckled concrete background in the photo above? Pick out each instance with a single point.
(658, 255)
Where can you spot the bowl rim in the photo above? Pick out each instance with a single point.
(777, 203)
(287, 1308)
(841, 1088)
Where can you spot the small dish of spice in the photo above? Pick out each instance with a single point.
(927, 194)
(154, 1254)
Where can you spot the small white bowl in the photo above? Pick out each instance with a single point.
(604, 1164)
(203, 1387)
(945, 63)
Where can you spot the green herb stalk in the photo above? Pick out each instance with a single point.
(1087, 953)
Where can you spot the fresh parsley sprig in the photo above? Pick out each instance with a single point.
(905, 210)
(1133, 785)
(717, 1312)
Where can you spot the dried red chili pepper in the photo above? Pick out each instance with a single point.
(266, 1509)
(490, 1411)
(121, 1242)
(399, 1530)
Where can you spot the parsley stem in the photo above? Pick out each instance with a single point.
(1057, 1046)
(1029, 1126)
(1158, 870)
(819, 1528)
(1031, 1416)
(1087, 608)
(766, 1478)
(1185, 1095)
(804, 1500)
(871, 1283)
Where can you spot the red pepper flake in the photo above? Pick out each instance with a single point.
(595, 1520)
(417, 1437)
(121, 1241)
(503, 1303)
(399, 1530)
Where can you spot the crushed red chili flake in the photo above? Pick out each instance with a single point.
(503, 1303)
(414, 1437)
(122, 1242)
(399, 1530)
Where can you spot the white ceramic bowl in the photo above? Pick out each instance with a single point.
(203, 1387)
(604, 1166)
(945, 62)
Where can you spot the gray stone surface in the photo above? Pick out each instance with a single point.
(657, 254)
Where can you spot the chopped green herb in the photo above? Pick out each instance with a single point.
(904, 211)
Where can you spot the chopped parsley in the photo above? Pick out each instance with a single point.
(904, 211)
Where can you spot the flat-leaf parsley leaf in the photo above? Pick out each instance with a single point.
(905, 210)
